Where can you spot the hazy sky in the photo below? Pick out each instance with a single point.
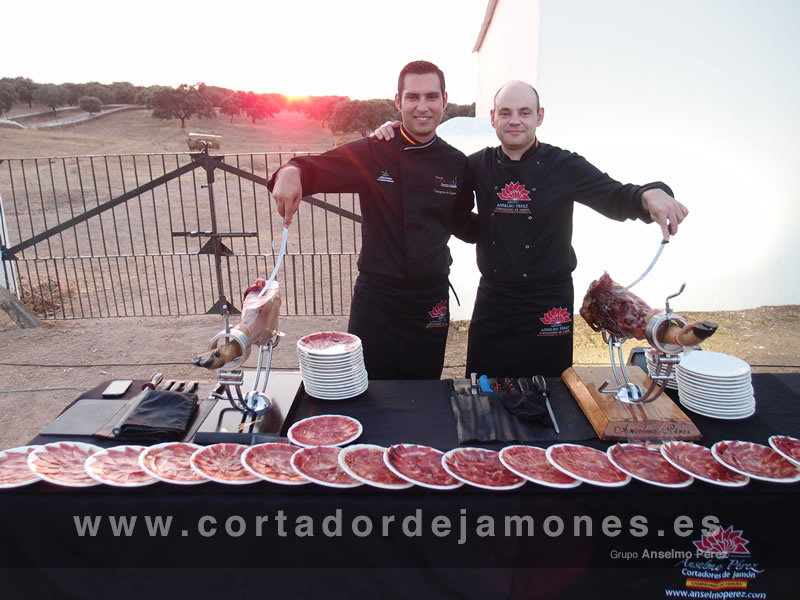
(298, 47)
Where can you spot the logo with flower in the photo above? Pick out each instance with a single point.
(514, 192)
(556, 316)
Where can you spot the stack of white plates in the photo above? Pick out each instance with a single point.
(332, 365)
(672, 382)
(716, 385)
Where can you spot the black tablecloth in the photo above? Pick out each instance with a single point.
(255, 538)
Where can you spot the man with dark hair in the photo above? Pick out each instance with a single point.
(522, 322)
(410, 205)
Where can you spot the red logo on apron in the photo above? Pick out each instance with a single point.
(438, 315)
(554, 316)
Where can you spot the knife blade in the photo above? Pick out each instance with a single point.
(542, 385)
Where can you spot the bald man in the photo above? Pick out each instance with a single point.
(522, 322)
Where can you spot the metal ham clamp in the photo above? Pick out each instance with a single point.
(621, 315)
(231, 347)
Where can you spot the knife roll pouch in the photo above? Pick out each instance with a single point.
(529, 407)
(161, 416)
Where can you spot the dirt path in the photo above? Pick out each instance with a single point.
(64, 358)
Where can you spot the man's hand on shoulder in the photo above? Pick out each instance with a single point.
(664, 210)
(386, 131)
(288, 191)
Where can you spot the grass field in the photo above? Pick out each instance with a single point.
(137, 131)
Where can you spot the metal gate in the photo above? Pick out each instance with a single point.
(167, 234)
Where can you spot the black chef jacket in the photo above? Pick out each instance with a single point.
(522, 322)
(412, 199)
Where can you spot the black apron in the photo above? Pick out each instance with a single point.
(403, 327)
(520, 333)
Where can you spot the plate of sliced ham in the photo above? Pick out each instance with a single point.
(756, 461)
(118, 466)
(222, 463)
(324, 430)
(587, 464)
(421, 465)
(646, 463)
(14, 469)
(480, 468)
(364, 462)
(273, 462)
(699, 462)
(170, 462)
(320, 464)
(531, 463)
(62, 463)
(786, 446)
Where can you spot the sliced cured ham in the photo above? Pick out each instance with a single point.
(171, 462)
(324, 430)
(259, 322)
(755, 460)
(587, 464)
(698, 461)
(786, 446)
(531, 463)
(480, 468)
(222, 463)
(624, 315)
(646, 463)
(320, 464)
(421, 465)
(364, 462)
(273, 462)
(62, 463)
(329, 342)
(118, 466)
(14, 470)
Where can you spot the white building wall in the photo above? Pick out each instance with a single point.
(509, 50)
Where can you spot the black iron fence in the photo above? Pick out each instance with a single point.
(167, 234)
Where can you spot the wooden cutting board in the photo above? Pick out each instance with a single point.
(618, 421)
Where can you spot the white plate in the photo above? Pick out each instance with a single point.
(329, 343)
(554, 449)
(338, 395)
(94, 466)
(249, 463)
(298, 457)
(773, 441)
(403, 484)
(714, 364)
(466, 451)
(716, 450)
(744, 479)
(615, 449)
(145, 461)
(425, 484)
(344, 380)
(318, 419)
(712, 414)
(50, 449)
(744, 388)
(719, 404)
(337, 391)
(542, 455)
(237, 449)
(20, 454)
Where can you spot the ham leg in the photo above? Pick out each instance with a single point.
(626, 316)
(259, 322)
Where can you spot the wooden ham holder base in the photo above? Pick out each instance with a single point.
(618, 421)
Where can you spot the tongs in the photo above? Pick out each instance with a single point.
(541, 385)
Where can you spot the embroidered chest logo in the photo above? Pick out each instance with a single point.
(445, 185)
(385, 177)
(514, 199)
(556, 322)
(438, 315)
